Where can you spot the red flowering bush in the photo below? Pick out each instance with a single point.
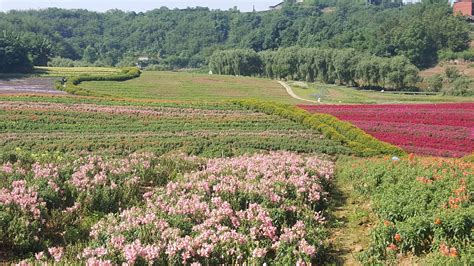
(429, 129)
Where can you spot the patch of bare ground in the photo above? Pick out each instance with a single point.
(29, 85)
(462, 66)
(351, 222)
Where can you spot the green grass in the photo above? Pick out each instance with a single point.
(341, 94)
(185, 86)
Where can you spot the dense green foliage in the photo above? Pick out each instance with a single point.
(19, 53)
(13, 54)
(331, 127)
(424, 206)
(345, 66)
(180, 38)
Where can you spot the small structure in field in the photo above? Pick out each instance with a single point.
(280, 5)
(142, 61)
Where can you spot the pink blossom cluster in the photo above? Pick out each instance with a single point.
(56, 253)
(94, 171)
(22, 196)
(227, 206)
(158, 111)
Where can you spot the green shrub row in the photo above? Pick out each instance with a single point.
(72, 84)
(331, 127)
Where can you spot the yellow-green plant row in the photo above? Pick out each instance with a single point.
(72, 84)
(362, 143)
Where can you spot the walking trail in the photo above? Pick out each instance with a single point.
(292, 94)
(352, 220)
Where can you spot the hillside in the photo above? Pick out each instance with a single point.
(186, 38)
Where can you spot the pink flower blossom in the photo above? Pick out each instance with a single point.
(56, 253)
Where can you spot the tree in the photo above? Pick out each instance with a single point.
(14, 55)
(403, 74)
(435, 83)
(90, 55)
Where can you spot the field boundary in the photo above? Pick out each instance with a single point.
(331, 127)
(72, 84)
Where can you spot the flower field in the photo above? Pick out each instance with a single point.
(429, 129)
(113, 127)
(423, 207)
(249, 209)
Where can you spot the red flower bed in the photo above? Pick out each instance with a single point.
(430, 129)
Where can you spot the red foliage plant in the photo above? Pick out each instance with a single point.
(428, 129)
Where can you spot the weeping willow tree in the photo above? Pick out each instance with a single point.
(342, 66)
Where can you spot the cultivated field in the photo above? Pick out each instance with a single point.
(184, 86)
(436, 129)
(68, 125)
(177, 168)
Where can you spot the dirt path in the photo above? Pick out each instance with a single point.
(352, 220)
(292, 94)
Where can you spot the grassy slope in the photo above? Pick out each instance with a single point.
(341, 94)
(193, 87)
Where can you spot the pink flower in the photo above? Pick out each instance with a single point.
(39, 256)
(306, 248)
(98, 262)
(7, 168)
(259, 252)
(56, 253)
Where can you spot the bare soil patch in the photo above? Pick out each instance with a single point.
(28, 85)
(463, 67)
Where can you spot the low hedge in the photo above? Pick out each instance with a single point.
(331, 127)
(72, 84)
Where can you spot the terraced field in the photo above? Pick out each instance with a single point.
(207, 129)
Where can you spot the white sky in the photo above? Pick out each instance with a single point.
(140, 5)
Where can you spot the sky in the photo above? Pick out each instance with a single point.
(138, 5)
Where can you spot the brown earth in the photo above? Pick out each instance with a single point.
(28, 86)
(463, 67)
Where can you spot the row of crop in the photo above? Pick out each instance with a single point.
(331, 127)
(424, 206)
(205, 145)
(71, 85)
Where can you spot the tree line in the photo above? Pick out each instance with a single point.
(187, 38)
(19, 53)
(341, 66)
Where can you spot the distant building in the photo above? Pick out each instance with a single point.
(406, 2)
(280, 5)
(463, 7)
(142, 62)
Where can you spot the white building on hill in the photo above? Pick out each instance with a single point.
(280, 5)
